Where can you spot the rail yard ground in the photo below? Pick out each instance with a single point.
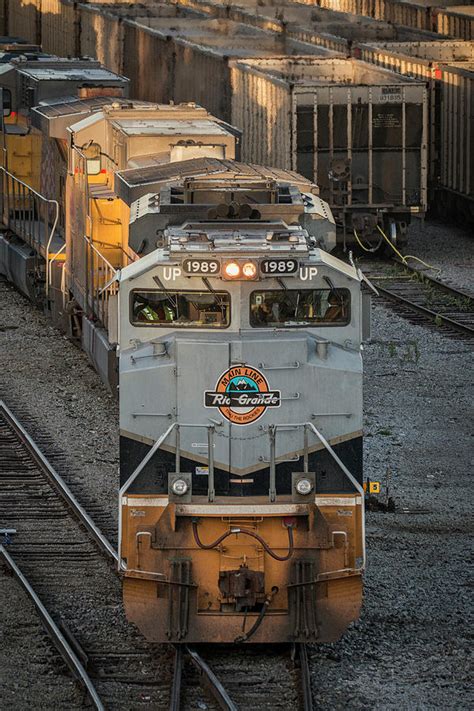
(410, 649)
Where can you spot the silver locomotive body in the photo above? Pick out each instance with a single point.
(168, 371)
(241, 400)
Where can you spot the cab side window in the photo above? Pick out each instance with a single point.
(94, 160)
(7, 102)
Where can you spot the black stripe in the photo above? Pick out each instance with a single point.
(154, 478)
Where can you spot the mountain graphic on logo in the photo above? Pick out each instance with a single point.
(242, 385)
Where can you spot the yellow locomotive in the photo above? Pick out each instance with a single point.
(238, 339)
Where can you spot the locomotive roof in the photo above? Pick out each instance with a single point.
(72, 105)
(155, 174)
(168, 127)
(142, 119)
(53, 117)
(80, 71)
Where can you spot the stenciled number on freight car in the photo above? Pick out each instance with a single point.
(205, 267)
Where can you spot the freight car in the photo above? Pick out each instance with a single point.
(308, 22)
(192, 58)
(449, 17)
(241, 504)
(358, 131)
(455, 188)
(455, 21)
(447, 67)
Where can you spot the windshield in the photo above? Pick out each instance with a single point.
(299, 307)
(197, 309)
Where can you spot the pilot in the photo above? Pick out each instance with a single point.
(264, 313)
(335, 309)
(154, 314)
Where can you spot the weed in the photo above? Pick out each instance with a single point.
(412, 353)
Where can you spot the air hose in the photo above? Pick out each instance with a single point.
(246, 532)
(258, 621)
(372, 250)
(399, 254)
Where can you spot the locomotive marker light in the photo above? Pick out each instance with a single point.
(179, 487)
(304, 487)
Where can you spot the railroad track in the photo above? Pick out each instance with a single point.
(67, 568)
(59, 555)
(250, 678)
(423, 299)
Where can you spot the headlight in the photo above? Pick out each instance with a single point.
(232, 270)
(179, 487)
(304, 487)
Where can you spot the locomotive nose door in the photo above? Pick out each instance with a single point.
(276, 395)
(200, 365)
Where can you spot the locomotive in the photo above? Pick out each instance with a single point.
(238, 338)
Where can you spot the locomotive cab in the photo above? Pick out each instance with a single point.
(241, 419)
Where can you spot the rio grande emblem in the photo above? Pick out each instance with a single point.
(242, 395)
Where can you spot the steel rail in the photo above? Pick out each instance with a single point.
(305, 677)
(211, 681)
(58, 483)
(59, 641)
(447, 288)
(434, 315)
(175, 700)
(426, 279)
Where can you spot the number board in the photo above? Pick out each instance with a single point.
(202, 267)
(278, 267)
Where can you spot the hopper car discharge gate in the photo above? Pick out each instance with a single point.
(243, 586)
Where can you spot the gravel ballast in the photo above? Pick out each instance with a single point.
(410, 648)
(449, 249)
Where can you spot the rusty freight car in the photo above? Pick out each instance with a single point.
(359, 131)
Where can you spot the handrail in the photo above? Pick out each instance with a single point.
(28, 192)
(99, 254)
(272, 432)
(98, 286)
(53, 258)
(121, 248)
(144, 462)
(342, 466)
(10, 175)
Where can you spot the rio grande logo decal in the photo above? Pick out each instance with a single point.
(242, 395)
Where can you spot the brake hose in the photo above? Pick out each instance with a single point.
(246, 532)
(258, 621)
